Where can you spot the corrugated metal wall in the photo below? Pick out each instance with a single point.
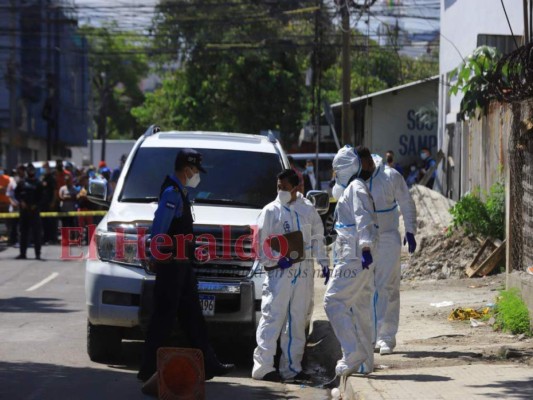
(484, 150)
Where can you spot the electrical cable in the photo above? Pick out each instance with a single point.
(509, 23)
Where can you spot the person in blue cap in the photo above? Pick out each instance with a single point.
(176, 287)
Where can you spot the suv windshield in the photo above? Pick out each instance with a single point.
(239, 178)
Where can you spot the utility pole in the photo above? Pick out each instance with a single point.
(526, 30)
(317, 81)
(346, 78)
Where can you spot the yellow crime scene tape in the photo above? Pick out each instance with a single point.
(50, 214)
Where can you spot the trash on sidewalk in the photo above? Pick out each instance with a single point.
(474, 323)
(462, 314)
(529, 270)
(442, 304)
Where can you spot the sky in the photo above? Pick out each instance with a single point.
(415, 15)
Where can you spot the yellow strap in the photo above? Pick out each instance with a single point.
(48, 214)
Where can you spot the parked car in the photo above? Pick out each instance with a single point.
(240, 181)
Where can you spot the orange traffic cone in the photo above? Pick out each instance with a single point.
(181, 374)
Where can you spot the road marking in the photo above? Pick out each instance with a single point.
(43, 282)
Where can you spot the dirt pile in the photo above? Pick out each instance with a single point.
(437, 256)
(440, 257)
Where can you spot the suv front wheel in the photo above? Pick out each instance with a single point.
(103, 342)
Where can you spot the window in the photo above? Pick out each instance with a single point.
(239, 178)
(503, 43)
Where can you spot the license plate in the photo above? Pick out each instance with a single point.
(207, 303)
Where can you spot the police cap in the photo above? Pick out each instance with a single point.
(188, 157)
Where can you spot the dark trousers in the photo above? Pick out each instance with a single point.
(30, 220)
(176, 294)
(13, 230)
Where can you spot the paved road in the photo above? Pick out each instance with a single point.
(43, 340)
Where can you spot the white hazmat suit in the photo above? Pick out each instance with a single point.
(286, 298)
(349, 293)
(390, 193)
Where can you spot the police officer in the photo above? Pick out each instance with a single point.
(28, 193)
(175, 291)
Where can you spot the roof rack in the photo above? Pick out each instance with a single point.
(152, 129)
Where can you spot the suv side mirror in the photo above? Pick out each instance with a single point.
(97, 192)
(320, 200)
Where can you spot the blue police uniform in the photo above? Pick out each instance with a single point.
(176, 286)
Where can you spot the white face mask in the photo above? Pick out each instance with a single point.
(193, 181)
(284, 197)
(424, 156)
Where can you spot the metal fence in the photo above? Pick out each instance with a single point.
(487, 150)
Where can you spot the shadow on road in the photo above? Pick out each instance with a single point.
(439, 354)
(511, 389)
(49, 382)
(410, 377)
(33, 305)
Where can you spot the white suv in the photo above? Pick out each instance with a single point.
(240, 181)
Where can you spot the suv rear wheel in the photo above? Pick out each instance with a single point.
(103, 342)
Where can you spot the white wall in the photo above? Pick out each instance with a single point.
(392, 123)
(461, 23)
(114, 149)
(463, 20)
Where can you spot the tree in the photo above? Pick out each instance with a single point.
(117, 67)
(242, 65)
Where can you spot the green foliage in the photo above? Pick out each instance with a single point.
(480, 218)
(117, 67)
(512, 313)
(243, 66)
(474, 76)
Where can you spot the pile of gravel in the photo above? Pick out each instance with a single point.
(440, 257)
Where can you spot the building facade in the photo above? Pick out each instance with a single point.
(44, 81)
(466, 25)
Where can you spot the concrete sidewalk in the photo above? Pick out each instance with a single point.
(476, 381)
(440, 359)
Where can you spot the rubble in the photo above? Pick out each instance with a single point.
(438, 255)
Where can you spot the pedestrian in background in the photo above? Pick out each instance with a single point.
(84, 205)
(67, 196)
(117, 171)
(19, 176)
(310, 180)
(29, 193)
(429, 162)
(389, 156)
(49, 190)
(295, 168)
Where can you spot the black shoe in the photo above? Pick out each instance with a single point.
(143, 376)
(273, 376)
(218, 370)
(38, 257)
(300, 377)
(20, 257)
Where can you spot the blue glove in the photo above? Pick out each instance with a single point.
(366, 259)
(325, 273)
(410, 238)
(284, 263)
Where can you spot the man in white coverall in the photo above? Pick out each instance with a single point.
(286, 298)
(390, 192)
(349, 293)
